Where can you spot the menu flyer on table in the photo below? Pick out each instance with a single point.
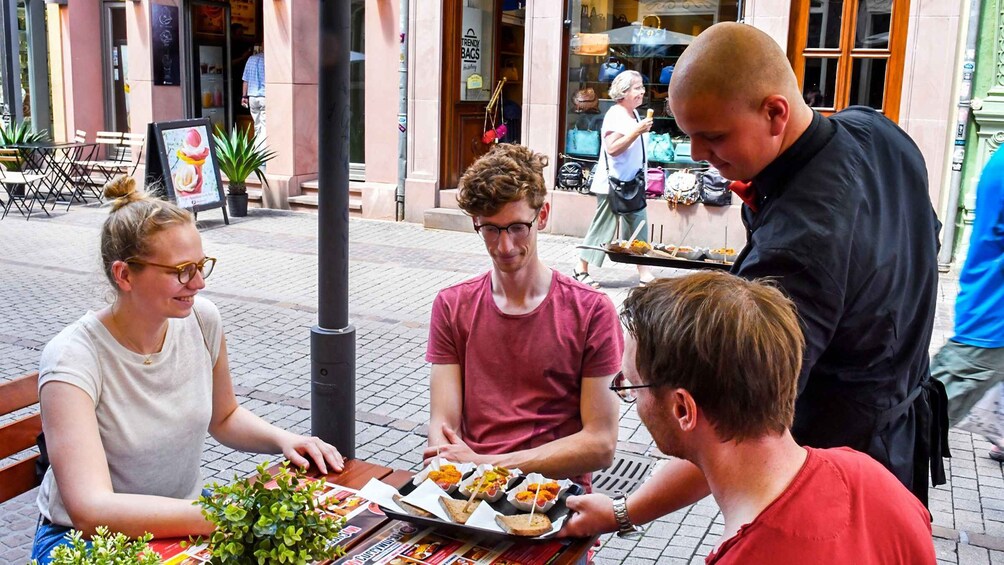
(361, 517)
(401, 543)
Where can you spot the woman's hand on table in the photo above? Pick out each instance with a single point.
(591, 514)
(298, 448)
(453, 450)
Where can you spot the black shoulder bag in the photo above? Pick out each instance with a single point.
(627, 196)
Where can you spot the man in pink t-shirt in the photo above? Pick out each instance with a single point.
(522, 356)
(713, 362)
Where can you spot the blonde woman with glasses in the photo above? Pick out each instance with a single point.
(128, 392)
(623, 154)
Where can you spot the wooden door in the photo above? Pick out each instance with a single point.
(469, 74)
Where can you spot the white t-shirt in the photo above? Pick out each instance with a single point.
(624, 166)
(152, 419)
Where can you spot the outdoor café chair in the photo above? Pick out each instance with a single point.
(21, 188)
(108, 157)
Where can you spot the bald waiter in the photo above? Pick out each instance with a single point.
(837, 212)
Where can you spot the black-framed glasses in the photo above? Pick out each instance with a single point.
(625, 389)
(186, 271)
(518, 231)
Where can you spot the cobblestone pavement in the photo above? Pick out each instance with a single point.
(265, 286)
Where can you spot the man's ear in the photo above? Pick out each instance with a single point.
(683, 409)
(122, 275)
(543, 216)
(778, 111)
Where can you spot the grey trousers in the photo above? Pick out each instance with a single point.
(967, 372)
(604, 224)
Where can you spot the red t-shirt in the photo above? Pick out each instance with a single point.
(522, 374)
(842, 508)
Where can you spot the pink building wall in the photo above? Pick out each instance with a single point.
(82, 79)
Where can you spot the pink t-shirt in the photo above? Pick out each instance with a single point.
(522, 374)
(842, 507)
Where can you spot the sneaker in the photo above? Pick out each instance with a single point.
(997, 454)
(585, 279)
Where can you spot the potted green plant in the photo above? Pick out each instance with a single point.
(238, 158)
(105, 549)
(270, 519)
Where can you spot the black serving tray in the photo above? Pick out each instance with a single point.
(661, 260)
(501, 506)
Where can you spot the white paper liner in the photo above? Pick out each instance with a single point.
(536, 478)
(472, 481)
(484, 517)
(436, 464)
(383, 494)
(426, 496)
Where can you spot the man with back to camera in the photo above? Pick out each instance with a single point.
(837, 212)
(522, 355)
(713, 361)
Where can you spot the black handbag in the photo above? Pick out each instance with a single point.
(715, 189)
(627, 196)
(570, 177)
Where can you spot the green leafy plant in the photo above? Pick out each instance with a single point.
(105, 549)
(20, 134)
(239, 158)
(281, 524)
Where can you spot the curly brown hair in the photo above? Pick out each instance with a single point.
(736, 345)
(507, 173)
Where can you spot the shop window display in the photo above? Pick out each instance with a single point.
(610, 36)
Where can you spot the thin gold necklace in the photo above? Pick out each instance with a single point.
(149, 358)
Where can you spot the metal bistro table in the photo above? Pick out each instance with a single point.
(58, 163)
(370, 537)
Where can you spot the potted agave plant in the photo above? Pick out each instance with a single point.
(238, 158)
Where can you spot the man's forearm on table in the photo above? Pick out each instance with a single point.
(570, 456)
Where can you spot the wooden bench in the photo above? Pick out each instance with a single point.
(19, 435)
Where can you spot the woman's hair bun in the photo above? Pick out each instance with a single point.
(123, 190)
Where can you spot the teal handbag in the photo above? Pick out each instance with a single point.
(582, 142)
(660, 147)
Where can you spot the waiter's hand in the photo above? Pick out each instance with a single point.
(244, 101)
(453, 450)
(590, 515)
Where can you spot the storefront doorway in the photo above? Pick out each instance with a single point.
(209, 90)
(483, 43)
(116, 67)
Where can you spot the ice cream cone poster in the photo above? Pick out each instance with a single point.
(192, 171)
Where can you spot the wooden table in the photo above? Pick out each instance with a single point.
(355, 475)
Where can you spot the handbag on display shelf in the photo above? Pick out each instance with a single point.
(666, 74)
(571, 177)
(649, 41)
(586, 101)
(681, 188)
(661, 147)
(715, 188)
(510, 71)
(610, 69)
(590, 44)
(620, 21)
(582, 142)
(655, 182)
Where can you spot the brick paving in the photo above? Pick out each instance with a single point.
(265, 287)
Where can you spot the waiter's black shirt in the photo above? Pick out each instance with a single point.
(846, 227)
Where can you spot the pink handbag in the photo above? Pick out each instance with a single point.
(655, 183)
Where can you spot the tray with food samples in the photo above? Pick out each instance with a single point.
(486, 500)
(642, 253)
